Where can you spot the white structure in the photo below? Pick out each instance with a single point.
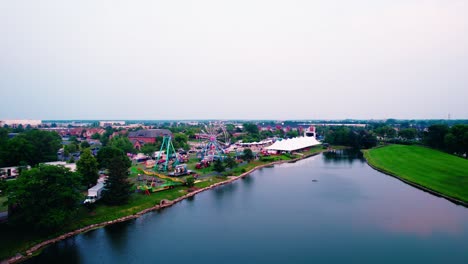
(111, 123)
(23, 122)
(297, 143)
(10, 172)
(294, 144)
(71, 166)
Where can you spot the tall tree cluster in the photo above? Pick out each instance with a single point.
(30, 147)
(453, 140)
(117, 187)
(44, 198)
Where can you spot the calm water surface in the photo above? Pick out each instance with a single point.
(350, 214)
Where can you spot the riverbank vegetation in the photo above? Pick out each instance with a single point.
(432, 169)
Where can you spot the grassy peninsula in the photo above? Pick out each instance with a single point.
(432, 169)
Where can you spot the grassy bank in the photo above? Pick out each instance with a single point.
(438, 171)
(15, 240)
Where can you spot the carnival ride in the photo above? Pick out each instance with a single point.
(214, 139)
(171, 159)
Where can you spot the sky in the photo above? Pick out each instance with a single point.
(243, 59)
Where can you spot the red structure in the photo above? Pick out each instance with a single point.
(141, 137)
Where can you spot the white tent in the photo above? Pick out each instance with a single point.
(294, 144)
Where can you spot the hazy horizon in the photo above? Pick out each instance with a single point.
(252, 60)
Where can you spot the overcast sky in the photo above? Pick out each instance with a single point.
(149, 59)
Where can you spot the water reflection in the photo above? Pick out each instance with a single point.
(116, 234)
(66, 251)
(343, 156)
(248, 181)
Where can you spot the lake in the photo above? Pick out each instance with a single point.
(330, 208)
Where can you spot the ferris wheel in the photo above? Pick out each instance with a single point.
(215, 139)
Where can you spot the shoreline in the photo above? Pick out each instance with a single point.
(417, 186)
(163, 204)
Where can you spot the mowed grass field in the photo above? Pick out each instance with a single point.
(433, 169)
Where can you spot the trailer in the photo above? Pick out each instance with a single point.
(94, 193)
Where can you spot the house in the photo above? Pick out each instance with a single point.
(141, 137)
(91, 131)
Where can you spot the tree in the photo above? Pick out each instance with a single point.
(190, 181)
(386, 132)
(248, 155)
(71, 148)
(105, 155)
(105, 137)
(436, 135)
(408, 133)
(150, 148)
(19, 149)
(117, 188)
(250, 128)
(456, 140)
(230, 162)
(87, 167)
(180, 141)
(122, 143)
(218, 166)
(74, 139)
(84, 145)
(96, 136)
(44, 198)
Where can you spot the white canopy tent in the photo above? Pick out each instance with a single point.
(294, 144)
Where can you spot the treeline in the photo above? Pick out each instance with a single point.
(28, 148)
(349, 136)
(453, 139)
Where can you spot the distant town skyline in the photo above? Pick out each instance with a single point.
(253, 60)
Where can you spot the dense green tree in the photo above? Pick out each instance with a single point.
(84, 145)
(292, 134)
(44, 198)
(408, 133)
(248, 155)
(71, 148)
(87, 167)
(180, 141)
(74, 139)
(19, 149)
(96, 136)
(386, 132)
(456, 140)
(251, 128)
(105, 155)
(436, 135)
(117, 187)
(190, 181)
(105, 137)
(150, 148)
(122, 143)
(230, 162)
(218, 166)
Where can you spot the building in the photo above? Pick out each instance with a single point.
(111, 123)
(71, 166)
(23, 122)
(141, 137)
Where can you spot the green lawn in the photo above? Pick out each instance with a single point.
(435, 170)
